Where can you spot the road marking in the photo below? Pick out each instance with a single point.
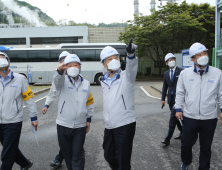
(37, 100)
(147, 93)
(41, 98)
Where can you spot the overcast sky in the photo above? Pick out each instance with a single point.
(96, 11)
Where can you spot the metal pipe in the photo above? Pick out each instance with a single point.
(136, 7)
(152, 5)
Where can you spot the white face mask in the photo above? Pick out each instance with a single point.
(172, 64)
(203, 61)
(73, 71)
(3, 62)
(114, 65)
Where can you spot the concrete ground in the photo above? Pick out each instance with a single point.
(148, 152)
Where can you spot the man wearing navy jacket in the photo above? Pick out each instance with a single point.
(170, 83)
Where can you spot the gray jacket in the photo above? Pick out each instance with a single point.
(118, 99)
(51, 96)
(11, 98)
(199, 94)
(74, 104)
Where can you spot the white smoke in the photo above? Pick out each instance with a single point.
(9, 16)
(31, 16)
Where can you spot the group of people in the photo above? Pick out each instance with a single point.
(192, 96)
(75, 110)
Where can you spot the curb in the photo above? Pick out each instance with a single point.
(148, 80)
(156, 89)
(41, 91)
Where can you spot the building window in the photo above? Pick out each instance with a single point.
(69, 40)
(12, 41)
(47, 41)
(54, 40)
(36, 40)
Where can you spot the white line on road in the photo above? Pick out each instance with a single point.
(37, 100)
(147, 93)
(41, 98)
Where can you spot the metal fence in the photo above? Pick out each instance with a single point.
(148, 67)
(217, 57)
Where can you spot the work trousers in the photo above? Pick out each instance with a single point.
(71, 143)
(191, 129)
(173, 121)
(59, 157)
(9, 138)
(117, 145)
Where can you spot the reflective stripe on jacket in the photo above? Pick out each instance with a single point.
(11, 100)
(73, 110)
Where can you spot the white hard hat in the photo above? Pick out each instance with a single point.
(168, 56)
(72, 58)
(108, 52)
(4, 54)
(63, 54)
(197, 48)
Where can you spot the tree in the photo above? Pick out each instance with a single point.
(173, 28)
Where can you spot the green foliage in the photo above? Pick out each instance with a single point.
(49, 21)
(43, 16)
(73, 23)
(3, 19)
(173, 28)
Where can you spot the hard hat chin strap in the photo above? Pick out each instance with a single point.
(5, 70)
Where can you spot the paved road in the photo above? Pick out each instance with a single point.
(148, 152)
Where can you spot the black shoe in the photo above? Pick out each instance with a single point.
(27, 167)
(55, 164)
(166, 141)
(184, 167)
(178, 137)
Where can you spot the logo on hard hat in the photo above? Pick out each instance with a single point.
(110, 52)
(73, 57)
(200, 48)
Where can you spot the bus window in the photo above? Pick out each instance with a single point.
(39, 56)
(121, 51)
(18, 56)
(98, 55)
(85, 55)
(55, 54)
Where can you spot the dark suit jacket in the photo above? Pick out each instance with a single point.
(171, 85)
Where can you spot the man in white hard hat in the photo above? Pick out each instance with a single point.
(75, 110)
(56, 163)
(118, 106)
(198, 90)
(169, 84)
(14, 90)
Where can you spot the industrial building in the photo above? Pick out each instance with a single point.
(19, 36)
